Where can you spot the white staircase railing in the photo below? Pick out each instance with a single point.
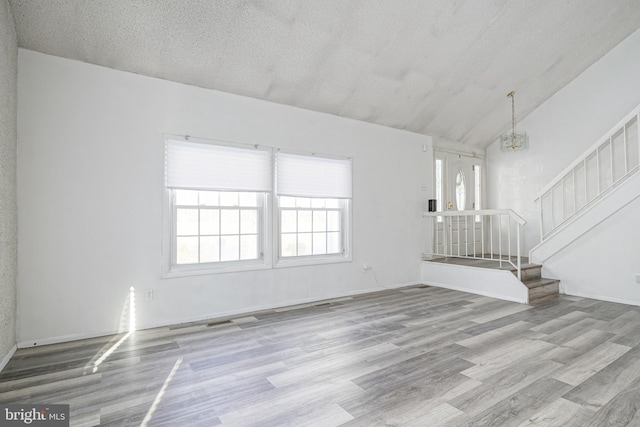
(611, 160)
(489, 234)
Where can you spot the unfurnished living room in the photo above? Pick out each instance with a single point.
(319, 213)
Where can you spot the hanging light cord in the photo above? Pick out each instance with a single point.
(513, 112)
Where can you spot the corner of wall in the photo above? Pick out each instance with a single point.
(8, 195)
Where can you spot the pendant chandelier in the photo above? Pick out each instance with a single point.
(512, 141)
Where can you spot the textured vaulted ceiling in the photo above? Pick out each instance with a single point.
(438, 67)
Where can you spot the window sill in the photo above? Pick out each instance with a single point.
(195, 270)
(311, 260)
(186, 271)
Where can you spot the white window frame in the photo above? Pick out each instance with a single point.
(262, 224)
(270, 233)
(171, 269)
(346, 220)
(300, 260)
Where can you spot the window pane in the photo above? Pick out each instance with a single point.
(320, 221)
(249, 247)
(186, 197)
(333, 243)
(229, 248)
(304, 244)
(439, 184)
(287, 202)
(333, 221)
(289, 222)
(318, 203)
(332, 203)
(319, 243)
(303, 202)
(187, 222)
(210, 249)
(230, 223)
(304, 221)
(461, 191)
(209, 198)
(248, 199)
(187, 250)
(228, 198)
(288, 245)
(248, 221)
(209, 221)
(478, 198)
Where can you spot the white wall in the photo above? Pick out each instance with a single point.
(90, 173)
(603, 263)
(8, 207)
(561, 129)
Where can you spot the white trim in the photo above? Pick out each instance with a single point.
(36, 342)
(603, 298)
(172, 270)
(311, 260)
(39, 342)
(208, 269)
(509, 212)
(5, 360)
(298, 261)
(474, 155)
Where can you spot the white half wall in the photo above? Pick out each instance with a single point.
(494, 283)
(90, 194)
(560, 130)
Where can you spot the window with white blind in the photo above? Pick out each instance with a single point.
(313, 199)
(217, 195)
(232, 207)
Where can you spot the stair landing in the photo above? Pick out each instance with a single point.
(540, 289)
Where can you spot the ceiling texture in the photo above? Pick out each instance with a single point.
(435, 67)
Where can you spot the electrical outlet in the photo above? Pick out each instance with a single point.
(148, 294)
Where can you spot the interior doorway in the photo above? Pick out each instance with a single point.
(459, 187)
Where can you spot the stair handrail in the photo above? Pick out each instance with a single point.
(569, 170)
(483, 213)
(588, 152)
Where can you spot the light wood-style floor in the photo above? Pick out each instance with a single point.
(419, 356)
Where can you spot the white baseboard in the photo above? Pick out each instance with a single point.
(211, 316)
(5, 359)
(602, 298)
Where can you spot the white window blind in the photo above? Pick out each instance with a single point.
(313, 176)
(196, 165)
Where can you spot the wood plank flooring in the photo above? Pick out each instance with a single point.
(417, 356)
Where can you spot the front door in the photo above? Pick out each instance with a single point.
(458, 189)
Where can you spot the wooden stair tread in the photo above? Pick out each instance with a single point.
(536, 283)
